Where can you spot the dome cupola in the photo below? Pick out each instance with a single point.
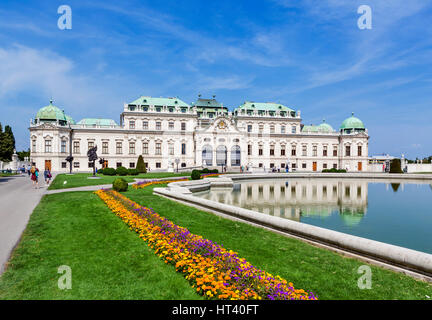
(51, 113)
(352, 124)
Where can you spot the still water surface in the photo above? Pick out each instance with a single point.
(396, 212)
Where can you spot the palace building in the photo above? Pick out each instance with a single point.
(168, 133)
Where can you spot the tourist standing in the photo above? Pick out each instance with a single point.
(35, 176)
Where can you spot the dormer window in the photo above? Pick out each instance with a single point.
(145, 108)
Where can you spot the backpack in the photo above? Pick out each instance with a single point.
(37, 173)
(33, 170)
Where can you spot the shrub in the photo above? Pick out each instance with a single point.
(100, 171)
(133, 172)
(334, 170)
(141, 165)
(196, 175)
(109, 172)
(120, 185)
(395, 166)
(205, 170)
(122, 171)
(214, 171)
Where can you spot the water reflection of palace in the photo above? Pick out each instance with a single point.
(295, 198)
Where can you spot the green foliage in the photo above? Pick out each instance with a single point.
(120, 185)
(7, 143)
(133, 172)
(141, 165)
(395, 166)
(109, 172)
(205, 170)
(334, 170)
(196, 174)
(23, 154)
(121, 171)
(100, 171)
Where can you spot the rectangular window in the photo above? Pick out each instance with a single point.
(33, 145)
(48, 147)
(293, 129)
(272, 129)
(76, 164)
(132, 124)
(131, 165)
(324, 165)
(183, 148)
(119, 148)
(158, 165)
(249, 128)
(145, 147)
(293, 150)
(335, 152)
(359, 151)
(131, 147)
(304, 150)
(324, 151)
(183, 126)
(261, 128)
(271, 150)
(118, 164)
(76, 147)
(171, 125)
(158, 148)
(314, 151)
(158, 125)
(90, 164)
(171, 149)
(348, 151)
(335, 165)
(260, 151)
(64, 165)
(249, 150)
(282, 150)
(282, 129)
(63, 146)
(145, 125)
(90, 145)
(304, 165)
(294, 165)
(104, 147)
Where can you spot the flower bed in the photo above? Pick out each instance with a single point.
(215, 272)
(146, 183)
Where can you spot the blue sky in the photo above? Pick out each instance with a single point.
(308, 55)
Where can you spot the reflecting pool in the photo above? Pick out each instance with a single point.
(398, 212)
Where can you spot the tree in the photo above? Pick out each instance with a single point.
(7, 143)
(141, 165)
(23, 154)
(395, 166)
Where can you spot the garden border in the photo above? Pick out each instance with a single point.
(415, 263)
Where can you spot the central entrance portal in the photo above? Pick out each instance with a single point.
(221, 156)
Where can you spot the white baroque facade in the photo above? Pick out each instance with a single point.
(168, 132)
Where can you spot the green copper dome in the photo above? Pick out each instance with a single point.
(325, 127)
(97, 122)
(352, 123)
(51, 112)
(70, 120)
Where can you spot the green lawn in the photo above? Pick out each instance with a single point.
(81, 179)
(109, 261)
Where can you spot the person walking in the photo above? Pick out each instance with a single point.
(28, 170)
(34, 176)
(47, 175)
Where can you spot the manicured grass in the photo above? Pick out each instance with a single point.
(81, 179)
(8, 174)
(327, 274)
(108, 261)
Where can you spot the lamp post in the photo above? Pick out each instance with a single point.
(177, 161)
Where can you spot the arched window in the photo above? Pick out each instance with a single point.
(221, 155)
(207, 155)
(235, 156)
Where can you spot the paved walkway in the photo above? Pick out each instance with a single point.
(18, 198)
